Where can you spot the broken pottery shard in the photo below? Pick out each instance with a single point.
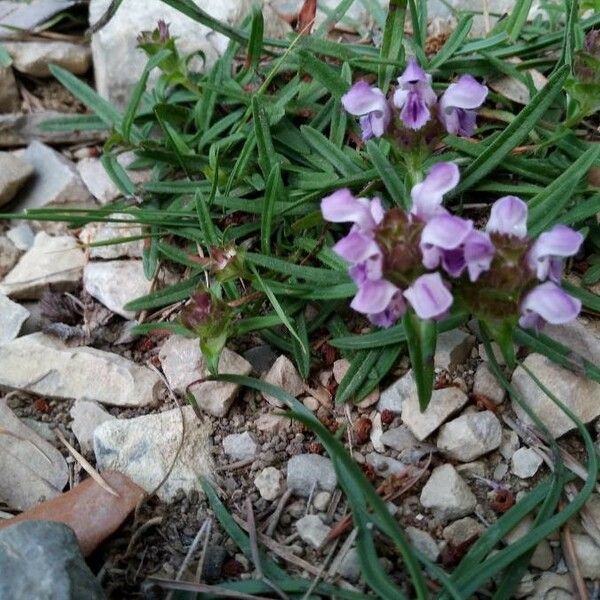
(183, 363)
(148, 448)
(31, 469)
(51, 261)
(88, 509)
(43, 365)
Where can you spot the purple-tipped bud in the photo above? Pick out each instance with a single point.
(370, 104)
(429, 297)
(548, 303)
(458, 104)
(414, 96)
(547, 255)
(427, 196)
(508, 217)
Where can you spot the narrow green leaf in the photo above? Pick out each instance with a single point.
(391, 46)
(273, 192)
(264, 142)
(301, 351)
(389, 175)
(118, 174)
(359, 370)
(323, 73)
(255, 43)
(453, 43)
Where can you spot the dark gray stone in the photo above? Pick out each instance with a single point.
(41, 560)
(261, 358)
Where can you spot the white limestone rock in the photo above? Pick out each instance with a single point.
(283, 374)
(145, 447)
(447, 494)
(114, 283)
(54, 262)
(470, 436)
(14, 172)
(452, 349)
(269, 483)
(87, 416)
(43, 365)
(183, 364)
(12, 317)
(577, 393)
(33, 58)
(444, 402)
(31, 469)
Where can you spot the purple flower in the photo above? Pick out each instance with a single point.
(509, 217)
(478, 253)
(427, 196)
(429, 297)
(441, 241)
(357, 246)
(457, 105)
(414, 96)
(368, 103)
(394, 310)
(343, 207)
(548, 303)
(547, 253)
(373, 296)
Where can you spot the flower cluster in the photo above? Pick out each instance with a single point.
(417, 102)
(430, 259)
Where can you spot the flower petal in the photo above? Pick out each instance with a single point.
(479, 253)
(466, 93)
(343, 207)
(413, 73)
(373, 296)
(559, 241)
(362, 99)
(429, 297)
(356, 247)
(395, 309)
(551, 303)
(446, 231)
(427, 195)
(508, 216)
(415, 112)
(370, 269)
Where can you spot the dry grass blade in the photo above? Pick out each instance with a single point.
(87, 467)
(203, 588)
(571, 559)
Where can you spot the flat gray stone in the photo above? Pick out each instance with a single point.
(588, 555)
(55, 181)
(385, 465)
(42, 560)
(183, 364)
(114, 283)
(55, 262)
(33, 58)
(308, 471)
(86, 417)
(579, 394)
(21, 236)
(12, 317)
(399, 438)
(470, 436)
(423, 542)
(452, 349)
(145, 447)
(312, 530)
(14, 172)
(261, 358)
(443, 404)
(26, 15)
(31, 469)
(447, 494)
(462, 531)
(240, 446)
(542, 557)
(349, 567)
(43, 365)
(20, 129)
(9, 94)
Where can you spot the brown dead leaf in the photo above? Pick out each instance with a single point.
(306, 17)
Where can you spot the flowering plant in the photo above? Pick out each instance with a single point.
(420, 264)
